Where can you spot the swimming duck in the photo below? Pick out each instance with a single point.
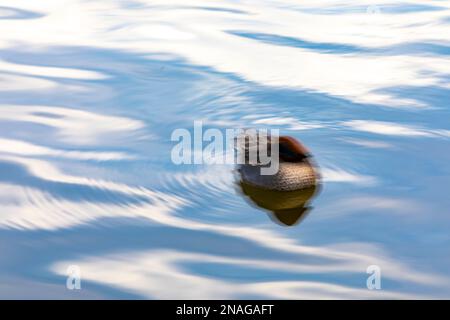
(296, 169)
(287, 193)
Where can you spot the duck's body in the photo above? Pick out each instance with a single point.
(291, 176)
(296, 170)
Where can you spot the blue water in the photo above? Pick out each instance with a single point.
(88, 102)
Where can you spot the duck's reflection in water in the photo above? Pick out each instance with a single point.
(286, 208)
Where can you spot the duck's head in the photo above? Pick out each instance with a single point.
(291, 150)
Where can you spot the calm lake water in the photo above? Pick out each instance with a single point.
(90, 93)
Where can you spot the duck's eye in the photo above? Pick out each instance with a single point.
(285, 151)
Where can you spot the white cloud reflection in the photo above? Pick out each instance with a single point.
(10, 82)
(73, 125)
(333, 174)
(394, 129)
(164, 275)
(41, 71)
(373, 144)
(28, 149)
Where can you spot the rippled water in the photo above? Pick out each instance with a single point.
(90, 93)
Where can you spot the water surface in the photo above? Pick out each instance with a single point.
(91, 92)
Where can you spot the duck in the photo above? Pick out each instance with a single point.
(296, 169)
(287, 193)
